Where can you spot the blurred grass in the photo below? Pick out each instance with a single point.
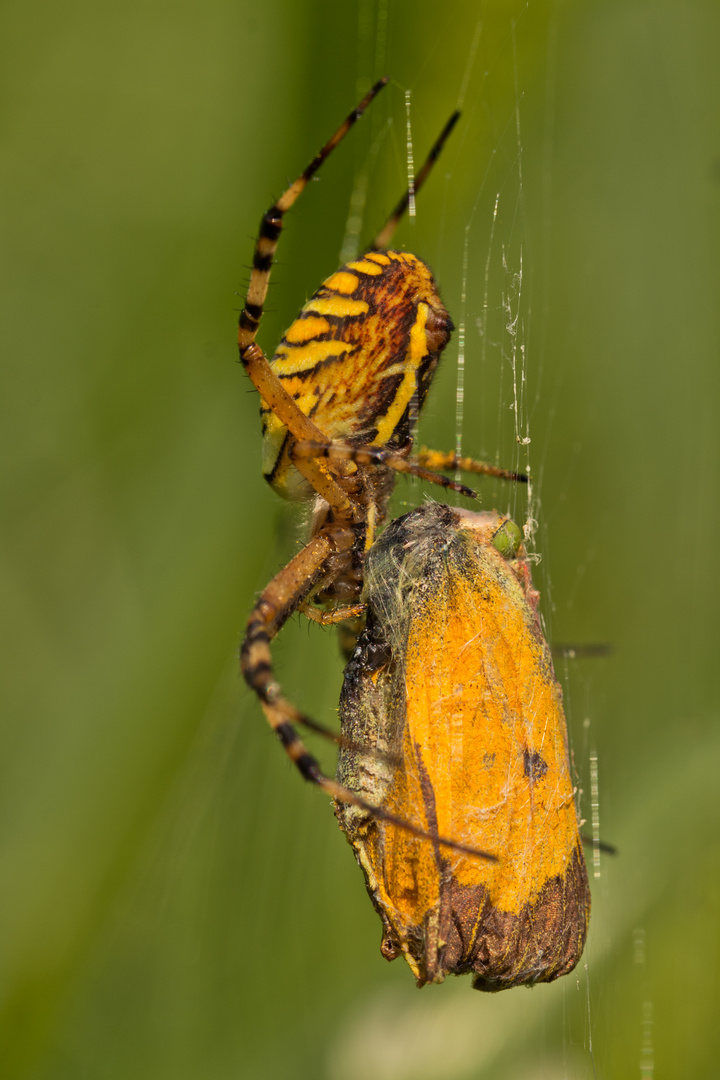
(174, 901)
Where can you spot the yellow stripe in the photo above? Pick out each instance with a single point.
(377, 257)
(364, 266)
(305, 328)
(307, 402)
(342, 282)
(414, 357)
(290, 360)
(337, 305)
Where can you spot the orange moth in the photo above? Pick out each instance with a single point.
(453, 722)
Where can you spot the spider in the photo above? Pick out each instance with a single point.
(340, 400)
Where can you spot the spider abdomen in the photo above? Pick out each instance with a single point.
(359, 359)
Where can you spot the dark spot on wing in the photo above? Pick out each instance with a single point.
(535, 767)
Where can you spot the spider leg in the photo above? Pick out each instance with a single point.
(281, 598)
(329, 618)
(288, 412)
(252, 357)
(377, 455)
(383, 238)
(284, 595)
(424, 465)
(449, 461)
(271, 227)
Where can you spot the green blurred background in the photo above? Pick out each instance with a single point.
(174, 901)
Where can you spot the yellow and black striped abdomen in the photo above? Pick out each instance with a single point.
(359, 358)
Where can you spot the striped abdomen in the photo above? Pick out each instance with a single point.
(359, 358)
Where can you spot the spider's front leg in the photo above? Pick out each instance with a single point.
(448, 461)
(330, 618)
(424, 465)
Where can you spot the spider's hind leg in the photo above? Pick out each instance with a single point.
(286, 594)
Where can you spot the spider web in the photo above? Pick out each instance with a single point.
(176, 902)
(485, 263)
